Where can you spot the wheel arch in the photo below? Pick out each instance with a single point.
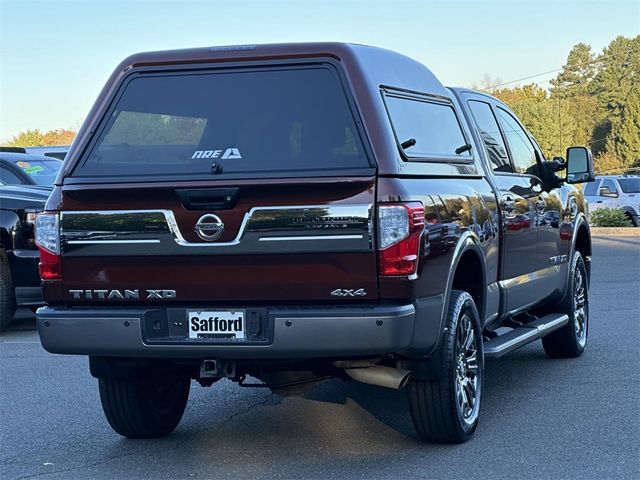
(582, 243)
(468, 272)
(631, 213)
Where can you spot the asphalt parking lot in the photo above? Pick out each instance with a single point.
(540, 418)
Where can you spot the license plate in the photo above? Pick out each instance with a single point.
(216, 324)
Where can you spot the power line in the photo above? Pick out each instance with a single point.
(571, 68)
(526, 78)
(597, 140)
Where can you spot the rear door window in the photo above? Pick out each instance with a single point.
(245, 121)
(629, 185)
(426, 129)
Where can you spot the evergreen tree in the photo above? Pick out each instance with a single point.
(615, 85)
(624, 138)
(576, 74)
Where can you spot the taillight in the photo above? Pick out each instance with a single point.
(48, 241)
(400, 229)
(49, 265)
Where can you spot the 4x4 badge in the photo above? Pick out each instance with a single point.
(349, 292)
(209, 227)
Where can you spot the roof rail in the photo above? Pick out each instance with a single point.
(13, 149)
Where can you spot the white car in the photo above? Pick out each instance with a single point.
(619, 191)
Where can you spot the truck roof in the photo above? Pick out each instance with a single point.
(380, 66)
(461, 90)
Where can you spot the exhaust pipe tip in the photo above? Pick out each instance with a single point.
(381, 376)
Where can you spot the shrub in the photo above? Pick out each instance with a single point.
(609, 217)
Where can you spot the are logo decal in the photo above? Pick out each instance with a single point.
(231, 153)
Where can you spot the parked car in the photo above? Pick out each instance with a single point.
(298, 212)
(25, 183)
(55, 151)
(615, 191)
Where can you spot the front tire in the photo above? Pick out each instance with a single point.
(571, 340)
(7, 293)
(447, 410)
(145, 406)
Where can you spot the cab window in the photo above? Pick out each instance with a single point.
(523, 155)
(491, 136)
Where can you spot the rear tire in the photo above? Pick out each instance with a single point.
(571, 340)
(634, 220)
(146, 406)
(447, 410)
(7, 293)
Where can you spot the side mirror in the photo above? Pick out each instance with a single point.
(605, 192)
(580, 165)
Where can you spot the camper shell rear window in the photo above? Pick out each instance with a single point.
(239, 121)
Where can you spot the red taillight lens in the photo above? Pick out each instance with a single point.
(48, 240)
(49, 266)
(400, 229)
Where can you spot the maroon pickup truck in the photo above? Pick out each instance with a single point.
(283, 214)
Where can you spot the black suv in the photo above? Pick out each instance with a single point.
(25, 184)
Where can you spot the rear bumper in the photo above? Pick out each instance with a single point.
(293, 333)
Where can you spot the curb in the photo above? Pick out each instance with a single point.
(615, 231)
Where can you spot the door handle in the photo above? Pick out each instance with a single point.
(208, 198)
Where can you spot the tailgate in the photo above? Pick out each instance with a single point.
(304, 250)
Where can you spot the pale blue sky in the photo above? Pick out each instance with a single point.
(55, 55)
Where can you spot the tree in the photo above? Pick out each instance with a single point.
(634, 168)
(60, 136)
(608, 164)
(519, 94)
(624, 137)
(487, 83)
(548, 120)
(571, 90)
(35, 138)
(615, 86)
(28, 138)
(576, 74)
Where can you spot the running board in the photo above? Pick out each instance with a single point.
(519, 337)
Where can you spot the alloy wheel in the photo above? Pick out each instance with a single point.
(580, 307)
(467, 370)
